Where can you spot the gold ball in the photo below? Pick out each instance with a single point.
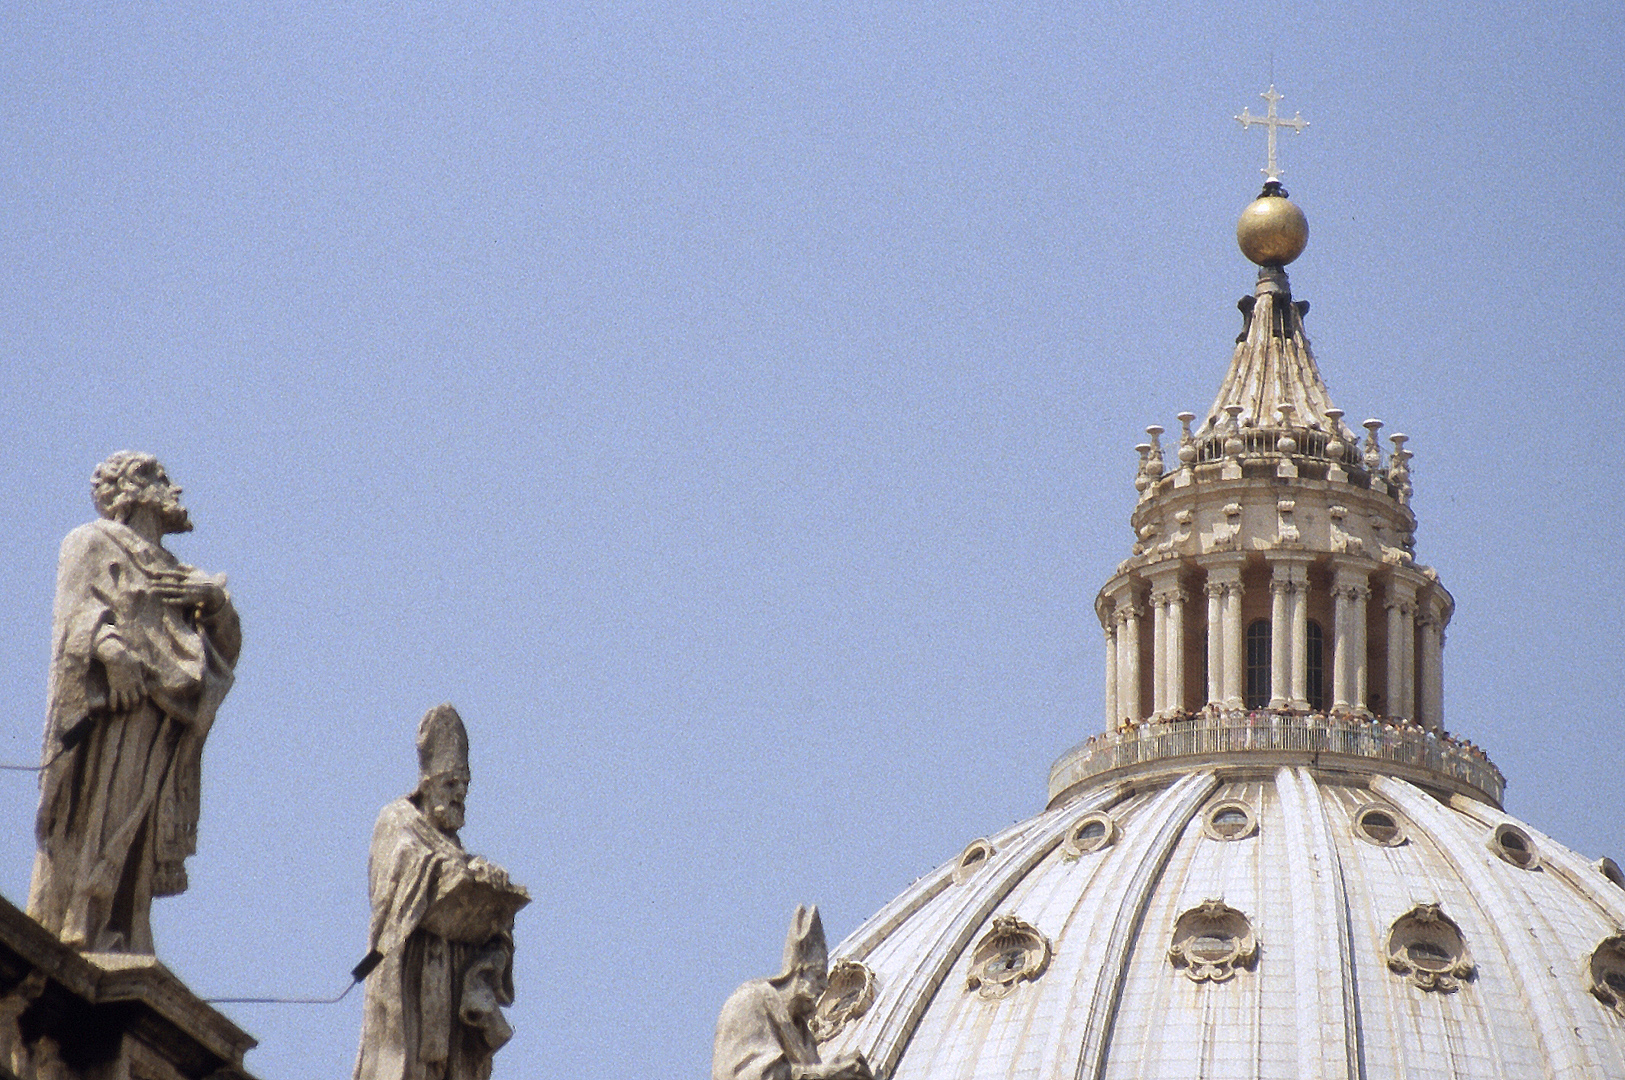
(1272, 231)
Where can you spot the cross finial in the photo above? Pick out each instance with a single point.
(1271, 124)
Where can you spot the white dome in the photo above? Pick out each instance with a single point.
(1274, 862)
(1322, 993)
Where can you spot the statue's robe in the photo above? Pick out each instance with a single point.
(118, 811)
(431, 1004)
(757, 1039)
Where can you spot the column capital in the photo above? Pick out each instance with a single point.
(1124, 612)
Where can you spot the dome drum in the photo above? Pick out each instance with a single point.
(1244, 742)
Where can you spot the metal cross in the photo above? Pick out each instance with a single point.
(1272, 123)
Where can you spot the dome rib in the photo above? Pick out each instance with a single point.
(1531, 981)
(1328, 1016)
(1186, 795)
(1608, 899)
(910, 1001)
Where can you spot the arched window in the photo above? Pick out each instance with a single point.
(1258, 664)
(1316, 680)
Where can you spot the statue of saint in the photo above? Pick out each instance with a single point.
(763, 1032)
(441, 940)
(142, 653)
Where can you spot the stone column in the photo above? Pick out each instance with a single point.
(1348, 637)
(1300, 640)
(1430, 624)
(1175, 651)
(1215, 641)
(1111, 673)
(1235, 666)
(1409, 626)
(1159, 651)
(1225, 667)
(1280, 634)
(1342, 599)
(1401, 647)
(1360, 648)
(1128, 660)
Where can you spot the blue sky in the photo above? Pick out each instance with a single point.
(730, 408)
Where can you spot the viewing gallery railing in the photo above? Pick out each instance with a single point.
(1214, 735)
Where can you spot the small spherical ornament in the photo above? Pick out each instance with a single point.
(1272, 231)
(1286, 444)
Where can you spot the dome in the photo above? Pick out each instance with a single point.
(1274, 861)
(1249, 919)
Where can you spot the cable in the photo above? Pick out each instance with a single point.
(357, 973)
(70, 739)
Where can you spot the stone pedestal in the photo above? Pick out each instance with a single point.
(66, 1015)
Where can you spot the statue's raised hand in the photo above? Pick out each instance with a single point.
(206, 595)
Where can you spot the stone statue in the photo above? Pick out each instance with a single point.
(441, 938)
(763, 1032)
(142, 654)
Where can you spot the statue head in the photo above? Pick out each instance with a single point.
(442, 767)
(804, 974)
(128, 481)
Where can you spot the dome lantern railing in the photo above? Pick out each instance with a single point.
(1228, 737)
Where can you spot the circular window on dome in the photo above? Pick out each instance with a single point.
(1379, 824)
(1426, 947)
(1009, 953)
(850, 992)
(1609, 869)
(1089, 833)
(1229, 820)
(1605, 969)
(1211, 941)
(1514, 845)
(972, 859)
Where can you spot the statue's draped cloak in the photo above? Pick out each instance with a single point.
(413, 1026)
(118, 812)
(756, 1037)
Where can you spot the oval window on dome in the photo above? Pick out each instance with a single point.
(1515, 846)
(1378, 824)
(1429, 955)
(1229, 820)
(1211, 941)
(1609, 869)
(1012, 951)
(972, 859)
(1606, 971)
(1213, 947)
(850, 992)
(1426, 947)
(1089, 833)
